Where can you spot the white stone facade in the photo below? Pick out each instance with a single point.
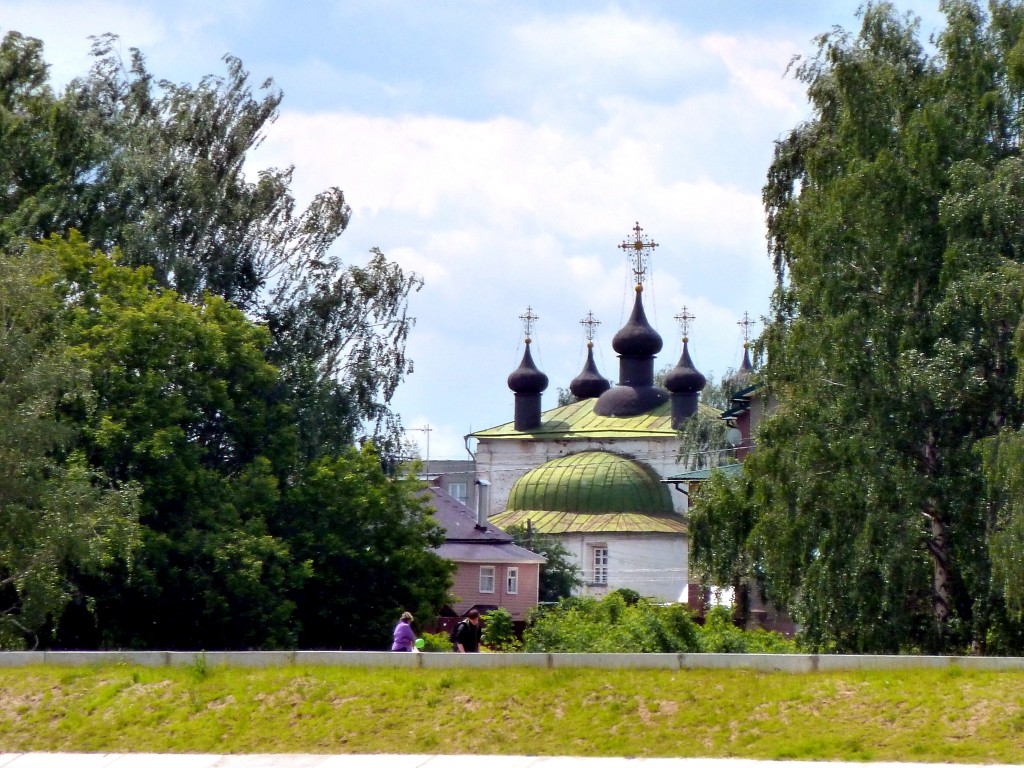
(653, 564)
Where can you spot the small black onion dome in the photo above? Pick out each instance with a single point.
(637, 338)
(526, 379)
(590, 383)
(746, 369)
(684, 378)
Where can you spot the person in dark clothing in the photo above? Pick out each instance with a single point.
(468, 633)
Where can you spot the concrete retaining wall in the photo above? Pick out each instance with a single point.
(797, 663)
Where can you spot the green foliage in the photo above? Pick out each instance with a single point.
(158, 170)
(619, 624)
(367, 540)
(57, 514)
(498, 633)
(217, 358)
(611, 625)
(184, 406)
(559, 575)
(436, 642)
(718, 634)
(895, 229)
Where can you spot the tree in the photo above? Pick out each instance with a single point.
(367, 539)
(559, 575)
(57, 515)
(895, 230)
(156, 169)
(187, 408)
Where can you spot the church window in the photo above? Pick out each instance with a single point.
(512, 581)
(486, 578)
(600, 565)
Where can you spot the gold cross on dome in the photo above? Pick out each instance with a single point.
(590, 323)
(745, 323)
(684, 319)
(639, 246)
(528, 319)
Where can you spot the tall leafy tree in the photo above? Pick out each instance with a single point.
(895, 230)
(157, 169)
(368, 541)
(187, 408)
(58, 516)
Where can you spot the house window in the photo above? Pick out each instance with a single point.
(512, 581)
(459, 491)
(600, 560)
(486, 578)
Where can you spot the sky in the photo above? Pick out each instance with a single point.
(502, 151)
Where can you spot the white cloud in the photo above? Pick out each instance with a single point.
(596, 50)
(66, 26)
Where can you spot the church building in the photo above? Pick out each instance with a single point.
(592, 473)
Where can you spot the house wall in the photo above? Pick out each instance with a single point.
(466, 588)
(655, 565)
(502, 462)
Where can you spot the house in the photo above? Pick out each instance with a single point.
(492, 571)
(589, 474)
(456, 476)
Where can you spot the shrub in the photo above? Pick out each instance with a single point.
(720, 635)
(499, 633)
(611, 625)
(435, 642)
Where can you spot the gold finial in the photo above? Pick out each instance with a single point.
(684, 318)
(745, 324)
(638, 245)
(590, 323)
(528, 319)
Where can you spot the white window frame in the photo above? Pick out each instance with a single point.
(599, 563)
(487, 574)
(512, 581)
(459, 491)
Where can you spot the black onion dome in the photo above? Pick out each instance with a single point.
(684, 378)
(746, 369)
(526, 379)
(637, 338)
(590, 383)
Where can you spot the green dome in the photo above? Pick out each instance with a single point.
(592, 482)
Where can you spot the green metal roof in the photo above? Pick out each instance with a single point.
(704, 474)
(591, 491)
(578, 420)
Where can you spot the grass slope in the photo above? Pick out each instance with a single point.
(919, 715)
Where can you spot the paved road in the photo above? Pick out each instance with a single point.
(96, 760)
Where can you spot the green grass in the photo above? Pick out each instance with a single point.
(915, 715)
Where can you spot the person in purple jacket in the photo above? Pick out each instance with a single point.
(405, 638)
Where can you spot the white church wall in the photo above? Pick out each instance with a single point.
(654, 565)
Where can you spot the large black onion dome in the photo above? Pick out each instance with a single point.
(637, 338)
(527, 379)
(685, 378)
(590, 383)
